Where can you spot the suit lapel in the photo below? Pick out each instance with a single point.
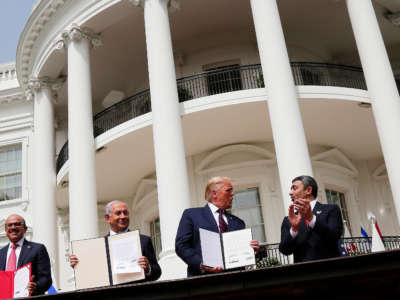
(317, 208)
(232, 225)
(26, 248)
(3, 258)
(210, 218)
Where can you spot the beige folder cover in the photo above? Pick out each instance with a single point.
(126, 277)
(92, 269)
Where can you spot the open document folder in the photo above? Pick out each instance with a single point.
(108, 260)
(227, 250)
(13, 284)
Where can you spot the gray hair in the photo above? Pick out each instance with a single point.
(109, 204)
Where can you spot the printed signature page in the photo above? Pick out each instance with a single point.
(237, 250)
(21, 280)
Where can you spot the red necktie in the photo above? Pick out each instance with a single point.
(222, 224)
(307, 223)
(12, 259)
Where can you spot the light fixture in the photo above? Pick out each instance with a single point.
(102, 148)
(364, 105)
(394, 18)
(64, 183)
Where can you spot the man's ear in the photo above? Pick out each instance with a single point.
(309, 190)
(107, 218)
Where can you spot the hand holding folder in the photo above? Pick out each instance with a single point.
(14, 284)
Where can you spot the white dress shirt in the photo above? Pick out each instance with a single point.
(17, 250)
(311, 224)
(215, 213)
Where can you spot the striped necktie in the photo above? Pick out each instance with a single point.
(221, 222)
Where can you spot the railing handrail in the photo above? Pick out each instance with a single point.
(219, 81)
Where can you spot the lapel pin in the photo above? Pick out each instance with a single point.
(318, 212)
(29, 247)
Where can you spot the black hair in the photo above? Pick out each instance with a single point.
(308, 181)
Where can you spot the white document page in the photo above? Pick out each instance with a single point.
(211, 248)
(21, 280)
(125, 255)
(237, 250)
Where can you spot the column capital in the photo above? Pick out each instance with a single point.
(76, 33)
(173, 5)
(37, 83)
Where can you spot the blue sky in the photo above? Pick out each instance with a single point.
(13, 16)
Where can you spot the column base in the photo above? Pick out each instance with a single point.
(171, 265)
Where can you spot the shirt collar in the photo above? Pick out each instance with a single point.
(213, 207)
(312, 203)
(114, 233)
(19, 243)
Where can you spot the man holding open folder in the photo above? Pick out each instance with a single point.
(214, 217)
(117, 216)
(20, 252)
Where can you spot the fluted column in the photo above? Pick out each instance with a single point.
(42, 90)
(382, 87)
(284, 111)
(173, 191)
(81, 148)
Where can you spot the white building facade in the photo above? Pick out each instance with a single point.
(154, 97)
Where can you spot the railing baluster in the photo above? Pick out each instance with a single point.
(221, 81)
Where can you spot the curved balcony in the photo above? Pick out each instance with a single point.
(218, 81)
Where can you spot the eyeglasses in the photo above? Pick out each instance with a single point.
(16, 224)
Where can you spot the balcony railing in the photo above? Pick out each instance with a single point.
(270, 256)
(222, 80)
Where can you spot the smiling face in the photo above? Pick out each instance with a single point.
(118, 217)
(15, 228)
(222, 195)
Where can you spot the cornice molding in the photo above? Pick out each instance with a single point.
(173, 5)
(16, 97)
(38, 19)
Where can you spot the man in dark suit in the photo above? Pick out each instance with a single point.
(311, 230)
(117, 216)
(219, 194)
(20, 252)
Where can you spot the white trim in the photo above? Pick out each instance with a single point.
(377, 174)
(317, 159)
(201, 168)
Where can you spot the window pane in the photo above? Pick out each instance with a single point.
(258, 233)
(10, 171)
(156, 236)
(338, 198)
(246, 205)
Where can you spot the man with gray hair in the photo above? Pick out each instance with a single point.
(117, 216)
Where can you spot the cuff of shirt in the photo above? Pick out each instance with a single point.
(149, 272)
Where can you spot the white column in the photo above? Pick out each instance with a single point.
(172, 178)
(287, 126)
(381, 87)
(44, 170)
(81, 149)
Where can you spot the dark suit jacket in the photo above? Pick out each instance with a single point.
(37, 255)
(187, 242)
(148, 251)
(314, 243)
